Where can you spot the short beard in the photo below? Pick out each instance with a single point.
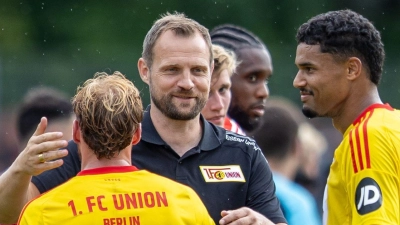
(309, 113)
(244, 121)
(164, 104)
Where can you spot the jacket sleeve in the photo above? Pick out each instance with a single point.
(261, 192)
(52, 178)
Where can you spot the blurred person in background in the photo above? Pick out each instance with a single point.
(340, 58)
(46, 102)
(333, 138)
(280, 141)
(41, 102)
(8, 138)
(314, 145)
(249, 82)
(314, 141)
(219, 98)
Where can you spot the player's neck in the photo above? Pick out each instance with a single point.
(353, 108)
(90, 160)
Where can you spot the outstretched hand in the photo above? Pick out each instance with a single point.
(243, 216)
(42, 151)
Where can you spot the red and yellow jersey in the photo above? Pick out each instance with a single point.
(117, 195)
(363, 185)
(231, 125)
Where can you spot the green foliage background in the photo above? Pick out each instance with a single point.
(62, 43)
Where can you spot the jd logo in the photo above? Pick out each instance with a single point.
(368, 196)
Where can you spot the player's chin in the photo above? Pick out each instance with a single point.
(309, 112)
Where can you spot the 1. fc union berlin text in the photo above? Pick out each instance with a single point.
(120, 201)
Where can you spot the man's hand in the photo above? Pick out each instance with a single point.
(41, 152)
(243, 216)
(15, 188)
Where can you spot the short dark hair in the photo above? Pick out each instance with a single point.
(345, 34)
(277, 135)
(41, 102)
(234, 37)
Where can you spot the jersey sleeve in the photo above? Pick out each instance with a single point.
(373, 177)
(261, 192)
(52, 178)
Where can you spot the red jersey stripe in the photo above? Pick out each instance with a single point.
(353, 159)
(359, 148)
(365, 134)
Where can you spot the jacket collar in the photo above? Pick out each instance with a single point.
(212, 136)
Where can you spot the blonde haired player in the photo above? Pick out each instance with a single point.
(109, 190)
(219, 98)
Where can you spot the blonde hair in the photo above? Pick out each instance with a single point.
(180, 25)
(312, 140)
(109, 111)
(224, 59)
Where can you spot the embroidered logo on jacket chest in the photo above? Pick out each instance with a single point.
(228, 173)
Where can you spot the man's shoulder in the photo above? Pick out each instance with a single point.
(73, 153)
(153, 180)
(378, 119)
(72, 146)
(241, 141)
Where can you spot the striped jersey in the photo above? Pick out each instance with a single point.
(231, 125)
(117, 195)
(363, 185)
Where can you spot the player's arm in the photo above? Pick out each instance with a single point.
(374, 184)
(375, 198)
(16, 188)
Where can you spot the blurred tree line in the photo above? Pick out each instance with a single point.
(62, 43)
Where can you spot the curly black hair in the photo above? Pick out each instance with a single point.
(344, 34)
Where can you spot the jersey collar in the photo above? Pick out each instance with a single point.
(370, 108)
(110, 169)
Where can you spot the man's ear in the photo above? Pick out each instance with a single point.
(76, 132)
(212, 68)
(138, 134)
(354, 68)
(144, 70)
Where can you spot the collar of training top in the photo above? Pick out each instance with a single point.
(212, 136)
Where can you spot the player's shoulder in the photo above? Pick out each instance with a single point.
(43, 199)
(383, 118)
(381, 121)
(391, 121)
